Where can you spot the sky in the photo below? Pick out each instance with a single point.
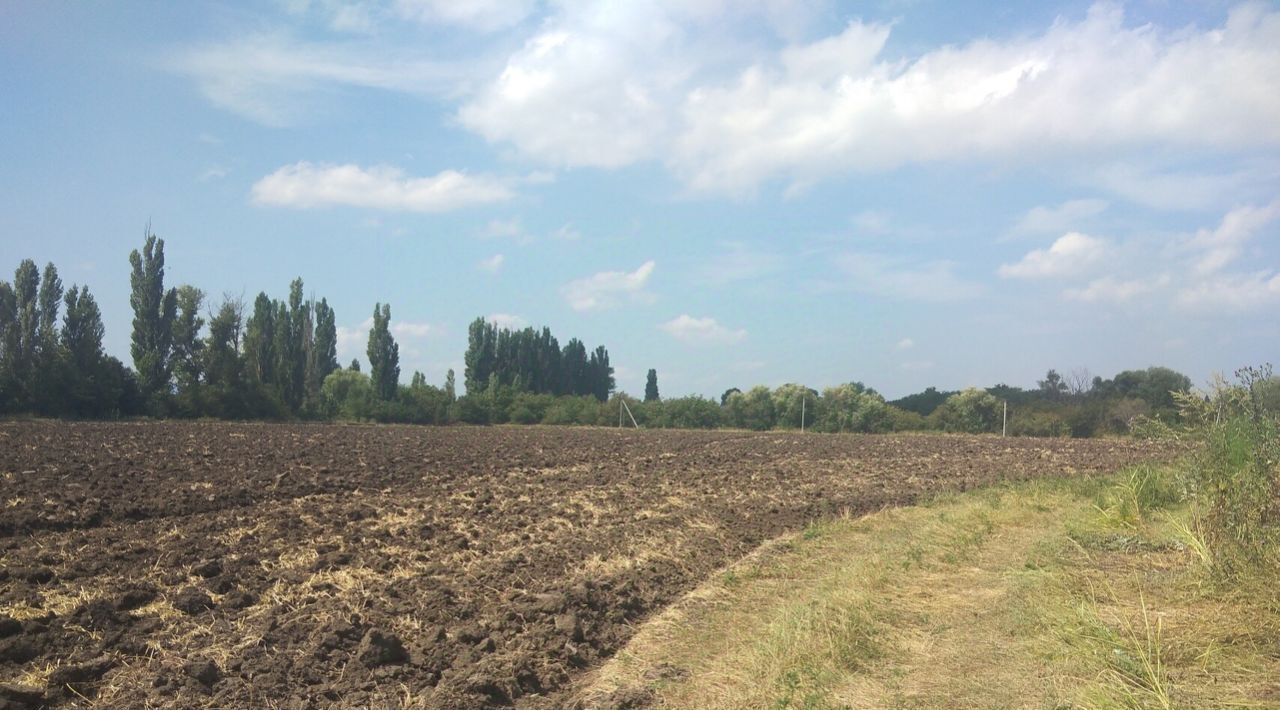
(906, 193)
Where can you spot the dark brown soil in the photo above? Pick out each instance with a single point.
(252, 565)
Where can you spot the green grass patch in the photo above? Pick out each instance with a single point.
(1089, 593)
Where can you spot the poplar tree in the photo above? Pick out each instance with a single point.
(326, 341)
(154, 310)
(82, 332)
(651, 386)
(188, 348)
(384, 354)
(259, 341)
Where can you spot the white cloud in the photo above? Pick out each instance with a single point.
(492, 265)
(1070, 254)
(932, 281)
(605, 289)
(1110, 289)
(481, 15)
(1089, 86)
(216, 172)
(507, 320)
(272, 78)
(1058, 219)
(702, 331)
(305, 185)
(905, 344)
(1240, 292)
(1166, 188)
(1221, 246)
(687, 84)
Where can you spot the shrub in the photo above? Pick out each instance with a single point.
(972, 411)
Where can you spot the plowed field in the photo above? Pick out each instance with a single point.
(294, 565)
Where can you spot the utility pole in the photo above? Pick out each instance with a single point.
(803, 401)
(1004, 425)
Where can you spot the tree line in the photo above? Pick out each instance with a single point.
(193, 358)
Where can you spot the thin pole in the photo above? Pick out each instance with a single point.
(803, 401)
(621, 404)
(1004, 426)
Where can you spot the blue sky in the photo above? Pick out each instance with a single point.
(905, 193)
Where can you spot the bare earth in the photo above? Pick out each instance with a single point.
(305, 565)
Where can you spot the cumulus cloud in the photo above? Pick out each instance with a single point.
(1070, 254)
(877, 274)
(702, 331)
(306, 185)
(492, 265)
(586, 90)
(1093, 85)
(607, 288)
(1058, 219)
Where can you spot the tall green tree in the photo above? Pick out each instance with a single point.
(481, 355)
(293, 330)
(26, 289)
(384, 355)
(260, 341)
(223, 369)
(154, 310)
(88, 390)
(651, 386)
(188, 347)
(325, 351)
(48, 395)
(600, 374)
(573, 362)
(8, 346)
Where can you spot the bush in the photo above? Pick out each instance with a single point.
(1236, 478)
(346, 394)
(972, 411)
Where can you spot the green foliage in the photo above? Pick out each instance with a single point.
(753, 409)
(384, 355)
(187, 356)
(683, 413)
(347, 394)
(323, 356)
(923, 403)
(903, 420)
(154, 312)
(651, 386)
(852, 407)
(790, 402)
(582, 410)
(1239, 480)
(532, 361)
(971, 411)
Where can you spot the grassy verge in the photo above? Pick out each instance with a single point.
(1087, 593)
